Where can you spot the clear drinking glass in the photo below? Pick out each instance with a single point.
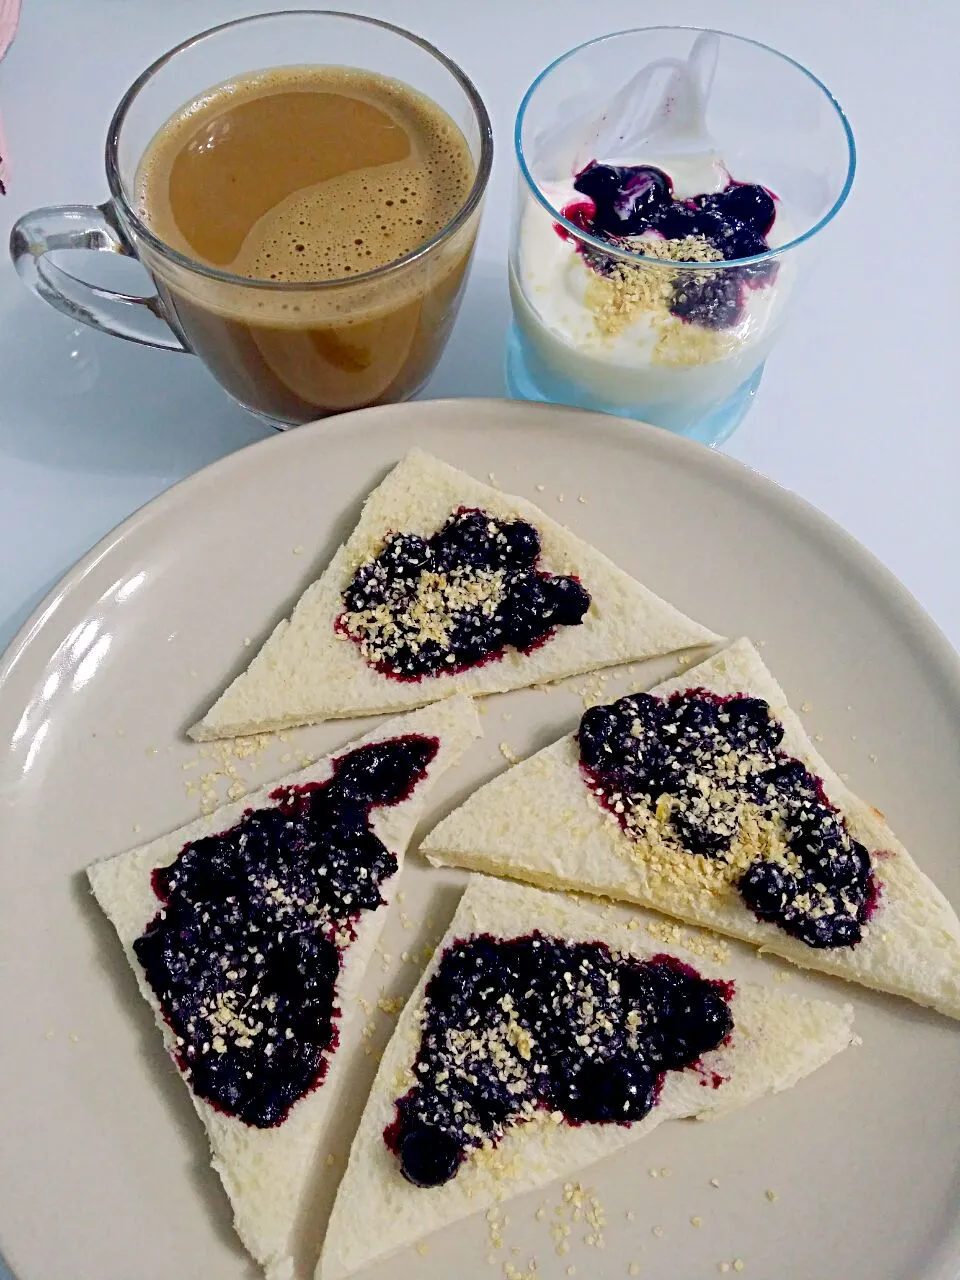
(289, 351)
(606, 327)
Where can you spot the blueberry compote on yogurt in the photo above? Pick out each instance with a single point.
(705, 775)
(633, 207)
(444, 604)
(244, 953)
(513, 1028)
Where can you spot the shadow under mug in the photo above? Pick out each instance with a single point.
(289, 351)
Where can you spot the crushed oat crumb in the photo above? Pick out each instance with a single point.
(630, 292)
(672, 934)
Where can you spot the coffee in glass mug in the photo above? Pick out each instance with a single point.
(308, 226)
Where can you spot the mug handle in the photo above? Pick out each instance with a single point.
(86, 226)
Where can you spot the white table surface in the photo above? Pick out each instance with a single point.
(856, 412)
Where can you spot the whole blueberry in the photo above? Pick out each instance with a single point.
(522, 543)
(676, 221)
(567, 601)
(711, 299)
(467, 540)
(429, 1156)
(838, 930)
(748, 202)
(848, 867)
(737, 239)
(691, 1021)
(598, 1092)
(767, 888)
(598, 182)
(523, 615)
(598, 732)
(626, 197)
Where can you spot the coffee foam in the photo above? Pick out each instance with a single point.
(357, 221)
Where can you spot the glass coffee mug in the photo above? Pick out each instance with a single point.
(290, 351)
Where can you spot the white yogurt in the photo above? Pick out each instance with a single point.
(549, 281)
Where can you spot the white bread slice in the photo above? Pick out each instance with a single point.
(267, 1173)
(539, 822)
(306, 672)
(777, 1039)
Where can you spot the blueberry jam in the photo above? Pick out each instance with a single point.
(440, 605)
(244, 954)
(710, 768)
(533, 1024)
(621, 203)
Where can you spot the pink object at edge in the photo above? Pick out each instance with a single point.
(9, 17)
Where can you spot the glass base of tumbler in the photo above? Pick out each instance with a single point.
(528, 379)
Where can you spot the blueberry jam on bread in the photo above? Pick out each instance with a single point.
(542, 1024)
(441, 605)
(245, 950)
(709, 768)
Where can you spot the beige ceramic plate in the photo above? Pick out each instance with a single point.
(103, 1173)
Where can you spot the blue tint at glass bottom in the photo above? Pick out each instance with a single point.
(528, 379)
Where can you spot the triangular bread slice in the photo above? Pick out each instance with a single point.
(307, 672)
(777, 1039)
(268, 1172)
(539, 822)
